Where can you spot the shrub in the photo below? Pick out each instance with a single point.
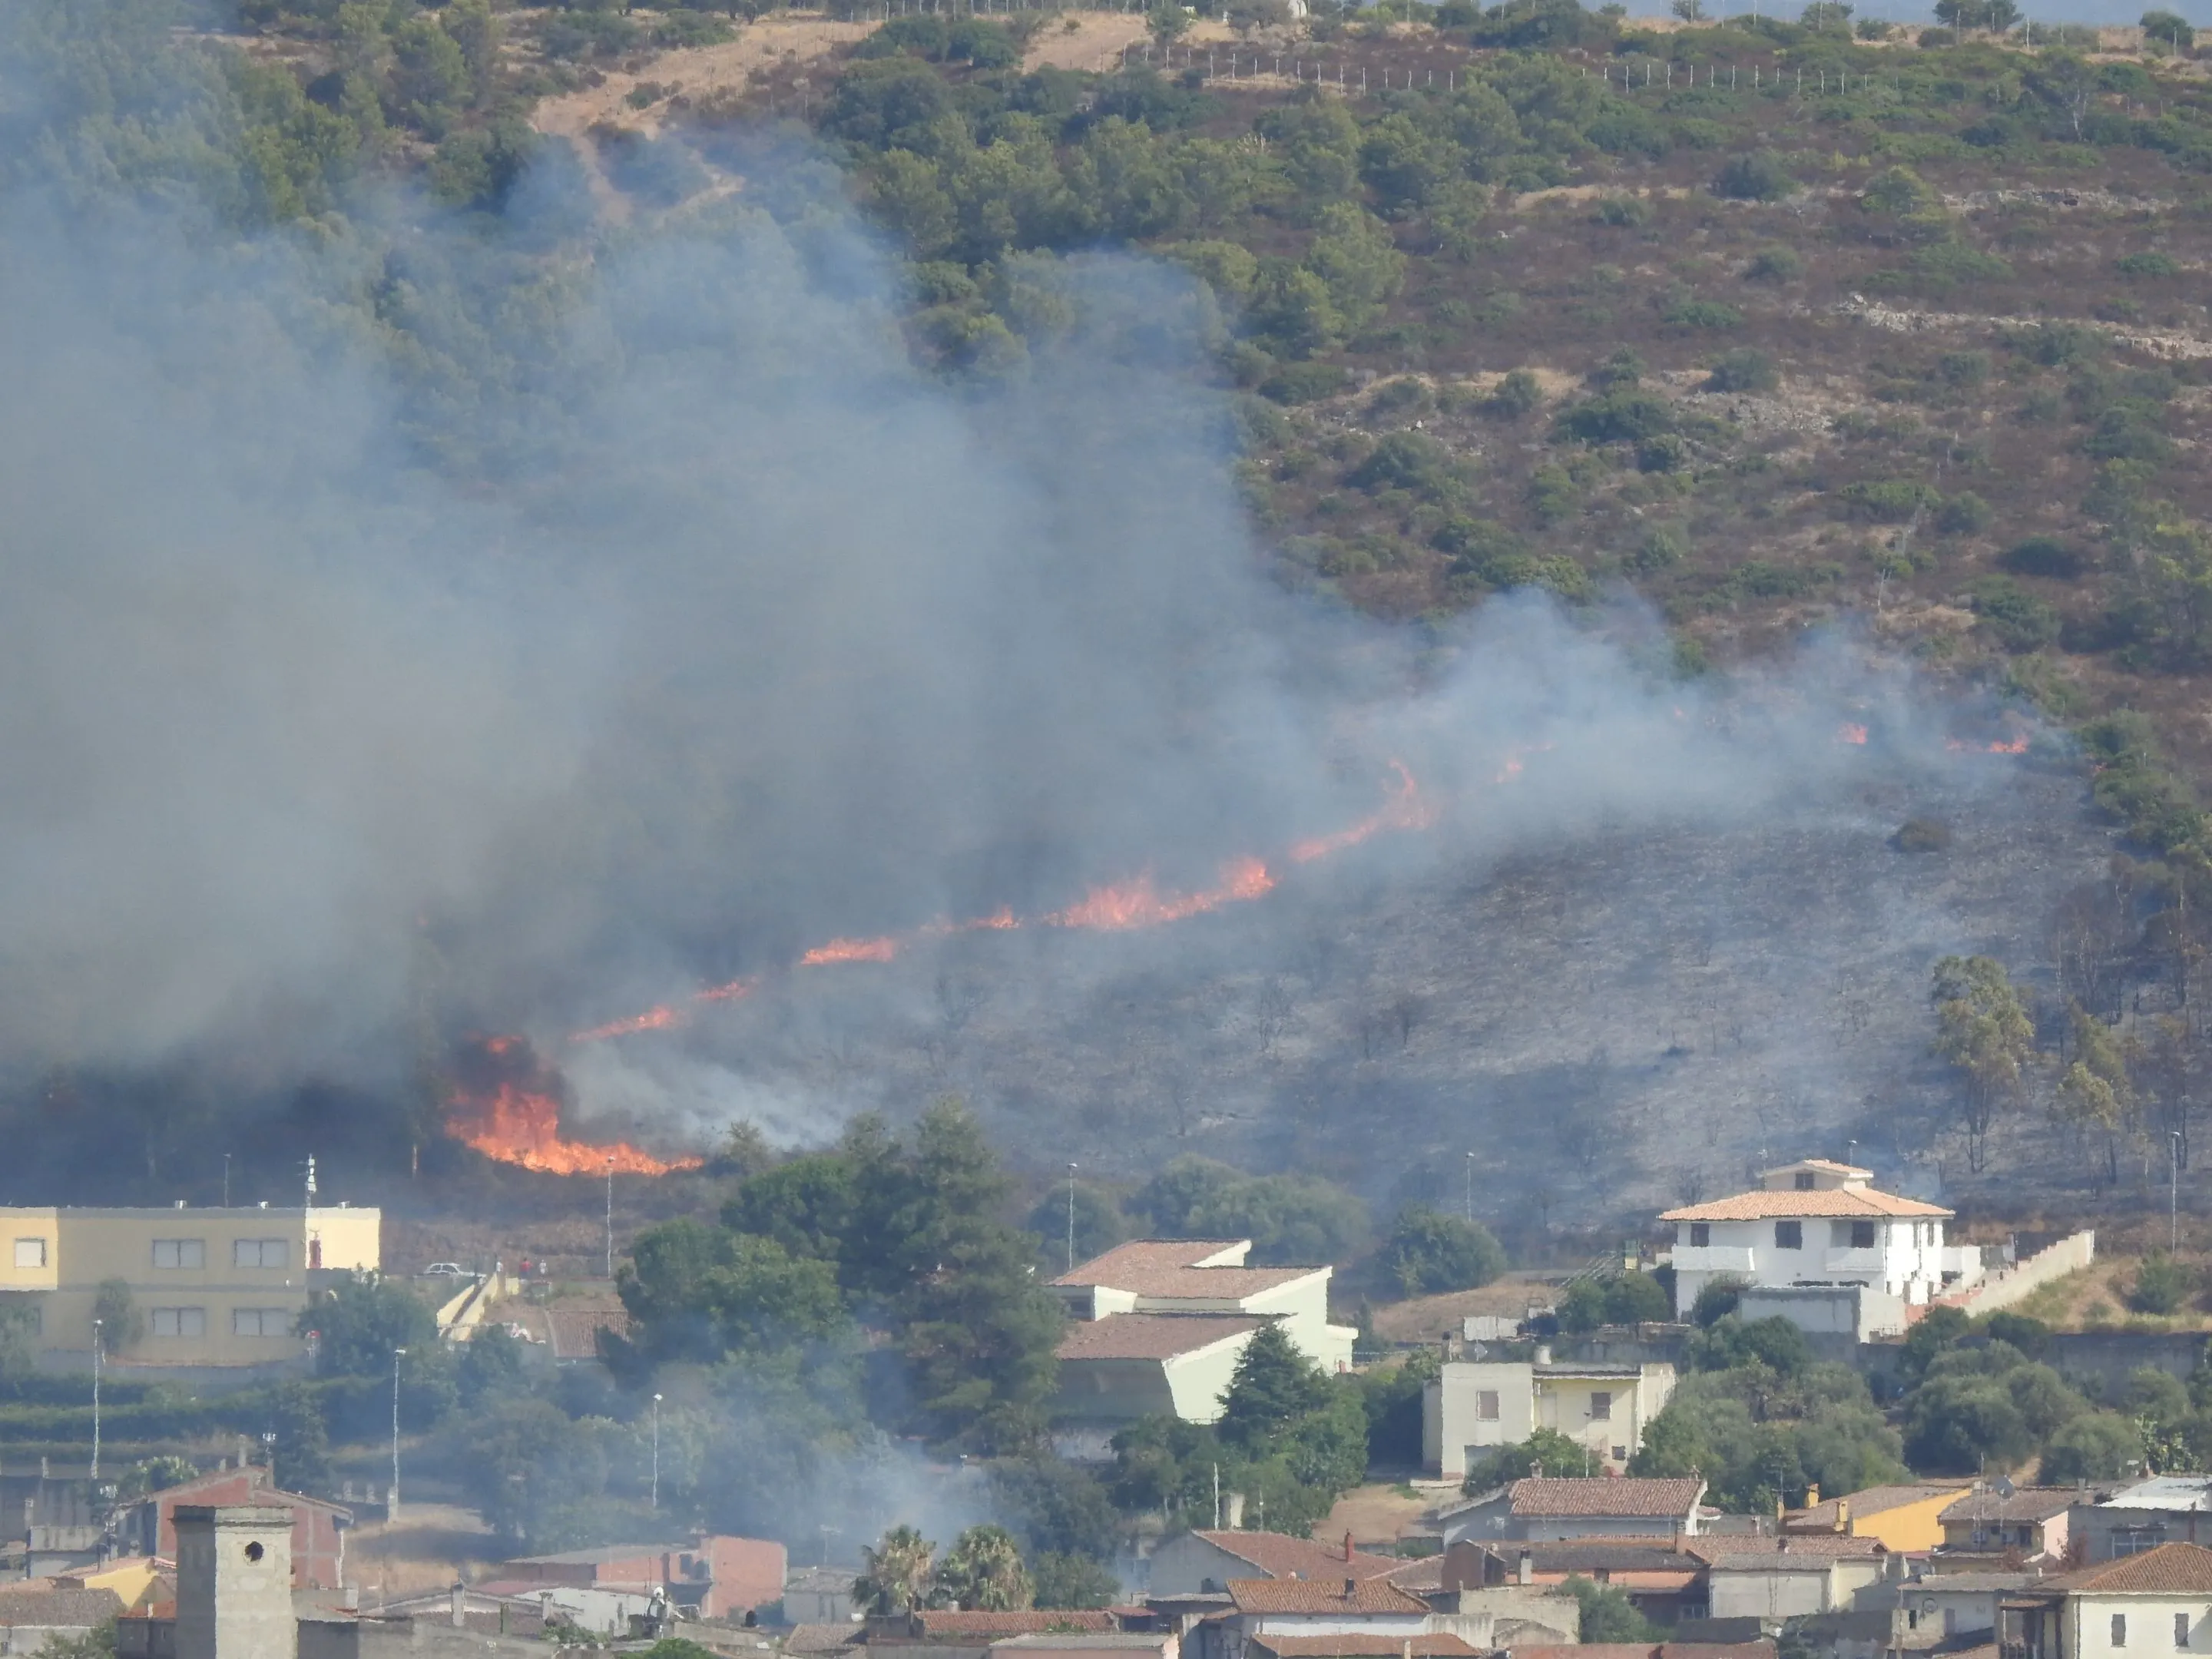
(1629, 415)
(1663, 546)
(1774, 265)
(1708, 314)
(1963, 513)
(2043, 556)
(2018, 620)
(2146, 265)
(1922, 835)
(1622, 211)
(1886, 500)
(1429, 1251)
(1665, 454)
(1759, 176)
(1404, 460)
(1516, 395)
(1304, 383)
(2162, 1285)
(1741, 370)
(1717, 1299)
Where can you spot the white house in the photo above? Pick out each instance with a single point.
(1472, 1407)
(1208, 1276)
(1205, 1563)
(2159, 1602)
(1812, 1223)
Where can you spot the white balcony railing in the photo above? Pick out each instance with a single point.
(1715, 1259)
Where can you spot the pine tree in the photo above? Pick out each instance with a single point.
(1274, 1385)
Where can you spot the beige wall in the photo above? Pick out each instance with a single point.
(213, 1286)
(2089, 1626)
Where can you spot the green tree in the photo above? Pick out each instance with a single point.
(1273, 1385)
(159, 1474)
(491, 1362)
(2169, 29)
(1608, 1613)
(1715, 1299)
(2095, 1446)
(899, 1573)
(1428, 1251)
(122, 1324)
(982, 1572)
(1167, 23)
(1353, 254)
(1983, 1030)
(302, 1445)
(2161, 1285)
(703, 1293)
(1547, 1449)
(361, 1322)
(1074, 1581)
(1099, 1224)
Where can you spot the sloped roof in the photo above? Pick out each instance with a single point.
(1151, 1336)
(1278, 1555)
(1834, 1201)
(1826, 1164)
(59, 1608)
(1872, 1500)
(1010, 1624)
(1323, 1595)
(1424, 1577)
(1715, 1547)
(1607, 1495)
(2169, 1570)
(1604, 1555)
(821, 1638)
(1170, 1267)
(1651, 1650)
(1362, 1644)
(2026, 1504)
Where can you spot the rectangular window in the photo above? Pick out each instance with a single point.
(2181, 1630)
(260, 1321)
(1600, 1407)
(2119, 1630)
(1840, 1234)
(30, 1252)
(180, 1253)
(1804, 1182)
(1485, 1406)
(179, 1322)
(259, 1253)
(1701, 1234)
(1863, 1235)
(1788, 1234)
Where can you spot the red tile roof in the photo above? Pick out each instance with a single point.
(1151, 1336)
(1714, 1546)
(1604, 1495)
(575, 1332)
(941, 1624)
(1323, 1595)
(1362, 1644)
(1835, 1202)
(1169, 1267)
(2169, 1570)
(1278, 1555)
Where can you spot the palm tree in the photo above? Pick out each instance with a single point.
(899, 1571)
(982, 1572)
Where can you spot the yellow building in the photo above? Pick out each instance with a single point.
(208, 1286)
(1899, 1518)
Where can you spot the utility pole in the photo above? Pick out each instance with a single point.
(610, 1218)
(392, 1503)
(1071, 1217)
(655, 1504)
(1216, 1498)
(1470, 1186)
(2174, 1192)
(95, 1399)
(226, 1180)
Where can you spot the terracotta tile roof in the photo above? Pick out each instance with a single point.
(2169, 1570)
(1835, 1201)
(1278, 1555)
(943, 1625)
(1151, 1336)
(1169, 1267)
(1874, 1500)
(1610, 1554)
(1321, 1595)
(1362, 1644)
(821, 1638)
(2026, 1504)
(1423, 1577)
(1604, 1495)
(59, 1608)
(1828, 1545)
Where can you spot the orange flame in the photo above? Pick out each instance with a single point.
(850, 949)
(1403, 810)
(1998, 746)
(652, 1019)
(1849, 731)
(1138, 904)
(509, 1109)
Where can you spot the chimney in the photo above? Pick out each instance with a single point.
(458, 1608)
(1408, 1653)
(1844, 1516)
(1526, 1572)
(1812, 1495)
(1543, 1354)
(349, 1598)
(1347, 1548)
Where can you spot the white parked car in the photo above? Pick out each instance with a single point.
(444, 1270)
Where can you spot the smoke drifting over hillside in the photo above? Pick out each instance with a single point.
(741, 634)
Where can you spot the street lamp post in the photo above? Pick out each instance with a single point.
(95, 1399)
(2174, 1192)
(1071, 1217)
(610, 1219)
(1470, 1186)
(655, 1504)
(392, 1505)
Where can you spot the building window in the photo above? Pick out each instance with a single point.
(1701, 1234)
(2181, 1630)
(1600, 1407)
(179, 1322)
(2119, 1630)
(1788, 1234)
(180, 1253)
(2134, 1540)
(1804, 1182)
(30, 1252)
(1485, 1406)
(260, 1321)
(259, 1253)
(1863, 1235)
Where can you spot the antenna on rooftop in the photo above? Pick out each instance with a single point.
(311, 1180)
